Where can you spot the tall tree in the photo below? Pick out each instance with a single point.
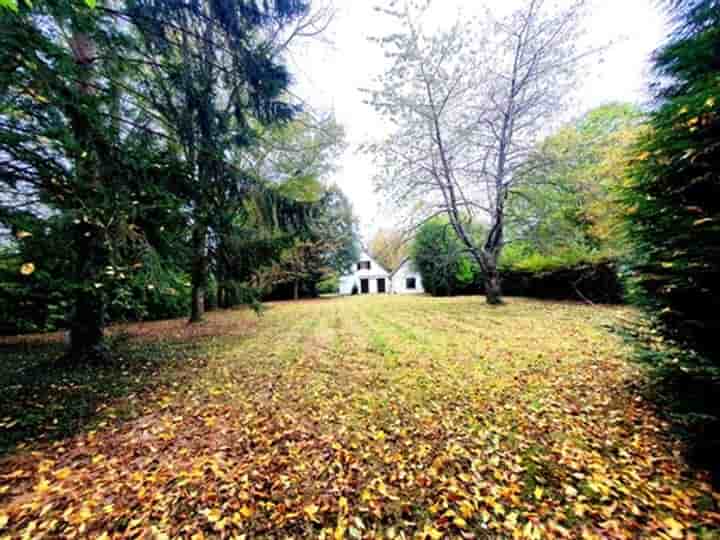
(673, 195)
(468, 105)
(213, 75)
(69, 145)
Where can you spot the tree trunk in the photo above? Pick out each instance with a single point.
(87, 343)
(199, 273)
(493, 291)
(87, 339)
(296, 290)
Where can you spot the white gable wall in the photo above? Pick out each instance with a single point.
(372, 275)
(400, 277)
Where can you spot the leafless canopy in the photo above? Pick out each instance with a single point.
(468, 105)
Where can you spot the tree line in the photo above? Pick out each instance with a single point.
(153, 159)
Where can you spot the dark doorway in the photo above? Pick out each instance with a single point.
(381, 286)
(364, 286)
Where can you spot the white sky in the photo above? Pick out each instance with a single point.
(329, 75)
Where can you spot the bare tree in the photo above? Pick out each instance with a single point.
(468, 106)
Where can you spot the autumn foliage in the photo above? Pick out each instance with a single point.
(377, 417)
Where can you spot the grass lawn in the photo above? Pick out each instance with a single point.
(380, 417)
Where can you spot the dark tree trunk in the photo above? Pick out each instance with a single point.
(87, 342)
(493, 291)
(199, 273)
(296, 290)
(87, 339)
(222, 302)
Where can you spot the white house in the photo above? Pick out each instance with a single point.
(406, 279)
(368, 277)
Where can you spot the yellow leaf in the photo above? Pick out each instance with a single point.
(63, 473)
(85, 514)
(710, 102)
(432, 533)
(103, 536)
(246, 511)
(343, 505)
(339, 533)
(27, 269)
(460, 522)
(43, 486)
(538, 493)
(22, 234)
(466, 509)
(580, 509)
(674, 527)
(3, 521)
(213, 515)
(311, 511)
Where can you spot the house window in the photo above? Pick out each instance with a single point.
(411, 284)
(363, 265)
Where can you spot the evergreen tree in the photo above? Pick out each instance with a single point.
(70, 146)
(673, 196)
(213, 76)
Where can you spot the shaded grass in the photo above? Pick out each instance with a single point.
(44, 401)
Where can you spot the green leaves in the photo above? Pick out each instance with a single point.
(13, 5)
(9, 4)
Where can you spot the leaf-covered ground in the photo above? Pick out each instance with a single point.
(379, 417)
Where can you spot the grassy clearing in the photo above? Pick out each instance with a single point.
(379, 417)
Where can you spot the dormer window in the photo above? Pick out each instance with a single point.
(363, 265)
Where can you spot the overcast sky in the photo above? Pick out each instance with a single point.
(330, 75)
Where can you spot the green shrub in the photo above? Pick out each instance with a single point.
(329, 285)
(443, 263)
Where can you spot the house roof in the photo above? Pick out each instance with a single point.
(402, 263)
(366, 253)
